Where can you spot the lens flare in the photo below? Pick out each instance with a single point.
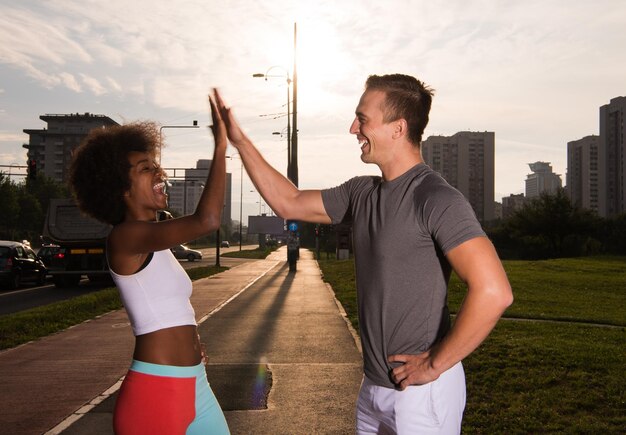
(260, 384)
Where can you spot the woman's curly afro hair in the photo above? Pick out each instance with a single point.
(99, 171)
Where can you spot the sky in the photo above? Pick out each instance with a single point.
(533, 72)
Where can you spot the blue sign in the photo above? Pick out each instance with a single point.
(292, 226)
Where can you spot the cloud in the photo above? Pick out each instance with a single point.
(93, 85)
(70, 82)
(13, 137)
(535, 72)
(114, 85)
(36, 45)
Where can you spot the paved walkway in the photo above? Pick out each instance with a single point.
(281, 359)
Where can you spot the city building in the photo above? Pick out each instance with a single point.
(511, 204)
(51, 148)
(542, 180)
(611, 155)
(582, 178)
(184, 192)
(466, 160)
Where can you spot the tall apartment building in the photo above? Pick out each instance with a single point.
(466, 160)
(611, 155)
(582, 179)
(542, 180)
(51, 148)
(184, 193)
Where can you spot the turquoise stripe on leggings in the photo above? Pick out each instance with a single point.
(164, 370)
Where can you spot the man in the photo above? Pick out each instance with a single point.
(409, 229)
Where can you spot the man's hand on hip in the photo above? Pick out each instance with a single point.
(415, 370)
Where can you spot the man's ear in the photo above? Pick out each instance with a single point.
(400, 128)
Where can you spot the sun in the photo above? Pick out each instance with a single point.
(320, 62)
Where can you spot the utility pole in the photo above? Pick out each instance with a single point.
(293, 244)
(294, 112)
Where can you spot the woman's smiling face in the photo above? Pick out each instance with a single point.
(147, 185)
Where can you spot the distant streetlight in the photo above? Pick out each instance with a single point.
(260, 201)
(194, 125)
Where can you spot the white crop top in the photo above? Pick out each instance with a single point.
(157, 296)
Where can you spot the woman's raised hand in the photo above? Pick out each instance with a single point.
(233, 130)
(218, 127)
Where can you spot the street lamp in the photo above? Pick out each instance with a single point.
(240, 196)
(285, 76)
(292, 147)
(194, 125)
(280, 133)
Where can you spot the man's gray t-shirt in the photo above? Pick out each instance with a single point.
(401, 231)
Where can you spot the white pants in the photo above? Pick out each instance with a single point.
(434, 408)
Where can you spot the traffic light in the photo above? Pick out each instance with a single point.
(32, 169)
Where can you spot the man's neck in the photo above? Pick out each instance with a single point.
(400, 164)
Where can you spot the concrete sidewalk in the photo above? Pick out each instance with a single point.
(263, 328)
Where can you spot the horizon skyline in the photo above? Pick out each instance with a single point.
(250, 205)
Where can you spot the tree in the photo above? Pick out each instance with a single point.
(550, 226)
(614, 234)
(44, 188)
(24, 205)
(10, 207)
(31, 216)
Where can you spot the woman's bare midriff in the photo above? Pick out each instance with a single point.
(177, 346)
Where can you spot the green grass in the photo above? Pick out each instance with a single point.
(533, 377)
(591, 289)
(257, 254)
(28, 325)
(541, 376)
(340, 275)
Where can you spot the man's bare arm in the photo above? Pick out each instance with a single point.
(489, 294)
(282, 196)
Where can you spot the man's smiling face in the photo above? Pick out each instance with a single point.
(373, 134)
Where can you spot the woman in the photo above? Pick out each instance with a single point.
(115, 178)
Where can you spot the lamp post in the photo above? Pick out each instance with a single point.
(217, 248)
(194, 125)
(294, 139)
(240, 197)
(292, 149)
(289, 139)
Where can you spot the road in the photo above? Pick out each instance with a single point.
(30, 297)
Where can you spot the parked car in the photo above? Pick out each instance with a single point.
(19, 263)
(182, 252)
(225, 244)
(47, 252)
